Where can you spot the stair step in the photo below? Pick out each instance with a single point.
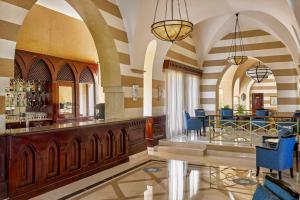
(182, 150)
(193, 145)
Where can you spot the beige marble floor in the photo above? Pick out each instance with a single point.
(176, 180)
(173, 177)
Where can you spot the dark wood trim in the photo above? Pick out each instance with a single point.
(169, 64)
(155, 130)
(32, 163)
(26, 59)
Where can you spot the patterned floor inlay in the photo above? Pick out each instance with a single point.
(177, 180)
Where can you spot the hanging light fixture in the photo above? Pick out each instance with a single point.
(259, 72)
(237, 52)
(172, 29)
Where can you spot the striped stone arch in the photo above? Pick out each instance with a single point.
(107, 29)
(183, 52)
(262, 46)
(269, 88)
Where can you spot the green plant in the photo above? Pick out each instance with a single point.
(240, 109)
(226, 107)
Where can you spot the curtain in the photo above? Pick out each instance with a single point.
(192, 93)
(183, 93)
(175, 102)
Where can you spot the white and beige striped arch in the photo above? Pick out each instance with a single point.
(183, 52)
(268, 88)
(266, 48)
(13, 12)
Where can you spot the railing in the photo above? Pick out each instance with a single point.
(249, 130)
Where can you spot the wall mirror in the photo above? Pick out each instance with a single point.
(65, 100)
(86, 96)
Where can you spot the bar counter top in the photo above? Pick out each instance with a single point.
(39, 159)
(68, 125)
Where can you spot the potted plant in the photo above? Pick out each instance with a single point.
(226, 107)
(240, 109)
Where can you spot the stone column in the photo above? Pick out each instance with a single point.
(4, 83)
(114, 102)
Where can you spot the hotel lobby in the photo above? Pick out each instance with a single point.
(152, 100)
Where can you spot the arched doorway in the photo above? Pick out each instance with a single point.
(148, 68)
(277, 58)
(16, 12)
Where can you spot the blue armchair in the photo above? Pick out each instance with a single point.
(191, 123)
(259, 121)
(280, 158)
(201, 113)
(274, 189)
(289, 126)
(227, 118)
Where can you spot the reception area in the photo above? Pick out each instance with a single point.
(139, 99)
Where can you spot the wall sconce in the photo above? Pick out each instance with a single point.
(160, 93)
(134, 92)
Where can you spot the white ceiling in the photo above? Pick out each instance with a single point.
(60, 6)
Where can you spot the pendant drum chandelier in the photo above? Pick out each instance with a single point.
(259, 72)
(172, 28)
(237, 51)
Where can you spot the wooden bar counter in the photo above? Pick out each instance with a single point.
(36, 160)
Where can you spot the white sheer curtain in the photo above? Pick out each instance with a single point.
(183, 93)
(192, 93)
(175, 102)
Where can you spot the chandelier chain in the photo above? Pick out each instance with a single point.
(166, 12)
(179, 10)
(186, 10)
(155, 13)
(172, 9)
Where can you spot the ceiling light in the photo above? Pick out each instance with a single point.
(172, 28)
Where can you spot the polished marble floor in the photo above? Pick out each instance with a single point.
(177, 180)
(159, 175)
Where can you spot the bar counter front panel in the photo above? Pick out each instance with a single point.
(36, 160)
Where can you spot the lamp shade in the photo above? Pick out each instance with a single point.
(237, 51)
(172, 30)
(237, 60)
(259, 72)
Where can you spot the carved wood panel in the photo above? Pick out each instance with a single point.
(92, 150)
(48, 159)
(26, 167)
(73, 155)
(136, 134)
(3, 167)
(53, 160)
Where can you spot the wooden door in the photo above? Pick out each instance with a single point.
(257, 101)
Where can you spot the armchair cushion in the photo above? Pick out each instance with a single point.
(199, 112)
(264, 193)
(280, 189)
(262, 113)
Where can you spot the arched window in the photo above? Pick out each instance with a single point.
(148, 67)
(86, 93)
(66, 81)
(39, 71)
(65, 74)
(17, 71)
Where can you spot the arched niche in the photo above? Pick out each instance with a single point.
(18, 71)
(148, 68)
(39, 71)
(86, 93)
(66, 93)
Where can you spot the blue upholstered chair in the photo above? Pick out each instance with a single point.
(279, 158)
(259, 121)
(274, 189)
(227, 118)
(201, 113)
(190, 123)
(289, 125)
